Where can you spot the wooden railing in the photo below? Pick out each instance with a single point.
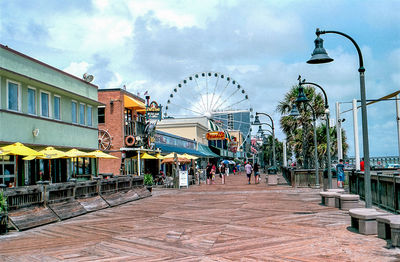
(385, 188)
(52, 193)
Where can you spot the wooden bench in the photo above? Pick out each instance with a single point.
(328, 198)
(364, 220)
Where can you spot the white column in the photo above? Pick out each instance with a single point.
(355, 128)
(284, 154)
(339, 132)
(138, 160)
(398, 121)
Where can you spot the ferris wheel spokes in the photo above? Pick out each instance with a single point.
(188, 102)
(202, 100)
(215, 86)
(231, 95)
(235, 103)
(188, 109)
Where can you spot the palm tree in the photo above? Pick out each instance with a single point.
(294, 128)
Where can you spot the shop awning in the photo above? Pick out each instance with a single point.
(130, 102)
(207, 151)
(179, 150)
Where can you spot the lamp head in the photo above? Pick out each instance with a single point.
(259, 129)
(301, 97)
(256, 120)
(319, 55)
(295, 111)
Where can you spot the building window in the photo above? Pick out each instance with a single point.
(13, 96)
(31, 101)
(101, 115)
(57, 108)
(82, 114)
(44, 104)
(7, 167)
(89, 116)
(74, 112)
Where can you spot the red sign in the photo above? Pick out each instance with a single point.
(215, 136)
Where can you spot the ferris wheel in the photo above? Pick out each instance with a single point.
(216, 96)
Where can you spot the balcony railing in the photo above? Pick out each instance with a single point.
(133, 128)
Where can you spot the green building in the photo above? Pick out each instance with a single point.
(42, 106)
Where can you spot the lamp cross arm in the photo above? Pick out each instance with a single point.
(272, 121)
(360, 57)
(320, 87)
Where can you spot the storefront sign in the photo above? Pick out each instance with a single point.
(153, 111)
(215, 136)
(183, 179)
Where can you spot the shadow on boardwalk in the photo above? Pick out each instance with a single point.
(232, 222)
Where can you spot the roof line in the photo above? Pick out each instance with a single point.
(44, 64)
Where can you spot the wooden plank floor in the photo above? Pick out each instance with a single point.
(232, 222)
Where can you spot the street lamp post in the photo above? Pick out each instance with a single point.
(257, 122)
(320, 56)
(296, 113)
(328, 140)
(261, 132)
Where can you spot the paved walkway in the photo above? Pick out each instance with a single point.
(232, 222)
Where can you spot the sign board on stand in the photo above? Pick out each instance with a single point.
(183, 179)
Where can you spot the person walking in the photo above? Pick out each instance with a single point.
(222, 173)
(213, 172)
(208, 173)
(249, 169)
(340, 173)
(257, 173)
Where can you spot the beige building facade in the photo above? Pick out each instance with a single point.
(194, 128)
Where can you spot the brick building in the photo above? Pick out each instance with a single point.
(121, 123)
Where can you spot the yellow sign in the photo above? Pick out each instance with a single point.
(215, 136)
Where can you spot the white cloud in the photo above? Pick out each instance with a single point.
(77, 68)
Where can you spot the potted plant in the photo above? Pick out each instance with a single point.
(148, 181)
(3, 213)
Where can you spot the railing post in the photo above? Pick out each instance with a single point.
(394, 191)
(45, 195)
(97, 179)
(73, 180)
(378, 188)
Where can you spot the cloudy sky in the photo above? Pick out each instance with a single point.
(153, 45)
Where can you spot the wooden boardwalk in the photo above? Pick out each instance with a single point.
(232, 222)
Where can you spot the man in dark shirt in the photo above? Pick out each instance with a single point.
(340, 173)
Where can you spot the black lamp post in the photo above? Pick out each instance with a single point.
(320, 56)
(261, 132)
(328, 137)
(257, 122)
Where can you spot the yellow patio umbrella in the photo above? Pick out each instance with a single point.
(171, 160)
(100, 154)
(48, 153)
(75, 153)
(146, 156)
(171, 155)
(159, 156)
(19, 149)
(190, 156)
